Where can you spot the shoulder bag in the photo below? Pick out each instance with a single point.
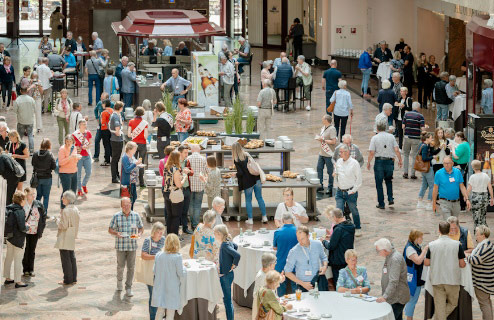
(330, 108)
(255, 169)
(100, 72)
(176, 194)
(144, 268)
(114, 96)
(262, 314)
(34, 180)
(421, 165)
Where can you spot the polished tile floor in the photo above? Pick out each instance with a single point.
(94, 297)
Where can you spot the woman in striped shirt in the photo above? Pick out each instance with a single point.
(482, 261)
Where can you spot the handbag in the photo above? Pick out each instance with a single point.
(331, 107)
(144, 269)
(255, 169)
(262, 314)
(101, 72)
(34, 180)
(177, 194)
(421, 165)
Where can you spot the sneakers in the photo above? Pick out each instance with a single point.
(358, 232)
(429, 206)
(96, 159)
(20, 285)
(105, 164)
(249, 221)
(80, 194)
(128, 292)
(264, 219)
(119, 286)
(420, 205)
(84, 189)
(405, 176)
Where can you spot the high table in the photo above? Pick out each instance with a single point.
(200, 291)
(457, 109)
(251, 248)
(204, 113)
(149, 90)
(464, 309)
(339, 307)
(153, 210)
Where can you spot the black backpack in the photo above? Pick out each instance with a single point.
(9, 223)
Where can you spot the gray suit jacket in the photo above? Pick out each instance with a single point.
(128, 81)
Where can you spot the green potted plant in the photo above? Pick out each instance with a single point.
(229, 120)
(250, 123)
(238, 113)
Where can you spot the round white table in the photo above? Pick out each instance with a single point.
(201, 290)
(458, 106)
(251, 248)
(339, 307)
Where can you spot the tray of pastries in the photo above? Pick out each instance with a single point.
(290, 175)
(225, 147)
(212, 142)
(175, 143)
(254, 144)
(192, 103)
(273, 178)
(227, 175)
(206, 133)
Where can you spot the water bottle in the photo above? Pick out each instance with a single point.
(241, 235)
(316, 291)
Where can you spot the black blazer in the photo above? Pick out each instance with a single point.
(407, 107)
(19, 228)
(245, 179)
(7, 77)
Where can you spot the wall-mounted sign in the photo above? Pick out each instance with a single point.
(338, 30)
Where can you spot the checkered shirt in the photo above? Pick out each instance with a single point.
(129, 225)
(198, 165)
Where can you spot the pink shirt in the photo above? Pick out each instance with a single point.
(66, 165)
(161, 167)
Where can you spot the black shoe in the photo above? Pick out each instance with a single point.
(8, 282)
(320, 189)
(380, 207)
(20, 285)
(391, 203)
(187, 231)
(413, 177)
(105, 164)
(89, 104)
(27, 274)
(115, 181)
(96, 159)
(405, 176)
(330, 192)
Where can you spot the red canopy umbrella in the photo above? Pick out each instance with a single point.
(166, 24)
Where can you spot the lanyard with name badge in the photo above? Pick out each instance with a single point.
(307, 272)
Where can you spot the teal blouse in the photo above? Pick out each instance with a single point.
(347, 280)
(462, 152)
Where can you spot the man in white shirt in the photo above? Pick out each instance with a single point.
(227, 72)
(445, 258)
(268, 262)
(44, 76)
(348, 176)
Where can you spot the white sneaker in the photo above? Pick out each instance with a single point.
(420, 205)
(429, 206)
(358, 232)
(249, 221)
(119, 286)
(129, 293)
(264, 219)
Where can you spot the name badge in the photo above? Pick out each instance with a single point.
(176, 87)
(360, 278)
(133, 225)
(308, 273)
(385, 270)
(451, 179)
(154, 245)
(163, 138)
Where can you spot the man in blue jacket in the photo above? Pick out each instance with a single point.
(281, 75)
(365, 65)
(285, 238)
(118, 70)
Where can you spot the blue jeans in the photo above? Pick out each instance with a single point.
(128, 98)
(365, 79)
(86, 163)
(152, 310)
(427, 182)
(383, 170)
(282, 287)
(442, 111)
(195, 207)
(241, 62)
(43, 191)
(226, 285)
(342, 197)
(182, 136)
(133, 194)
(93, 80)
(175, 101)
(97, 142)
(410, 306)
(69, 182)
(257, 188)
(321, 162)
(28, 129)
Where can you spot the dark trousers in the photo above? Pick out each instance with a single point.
(297, 47)
(97, 142)
(29, 253)
(7, 90)
(141, 153)
(69, 182)
(383, 170)
(336, 272)
(337, 121)
(152, 310)
(464, 171)
(329, 94)
(185, 209)
(11, 187)
(116, 153)
(321, 162)
(105, 136)
(398, 310)
(128, 99)
(161, 145)
(174, 211)
(399, 130)
(69, 266)
(408, 82)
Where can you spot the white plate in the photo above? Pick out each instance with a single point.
(256, 246)
(291, 311)
(326, 315)
(304, 310)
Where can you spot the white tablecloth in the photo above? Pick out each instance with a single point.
(201, 282)
(466, 280)
(459, 105)
(384, 70)
(250, 261)
(461, 83)
(340, 307)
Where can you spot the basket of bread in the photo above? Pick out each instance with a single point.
(192, 103)
(206, 133)
(225, 147)
(289, 174)
(254, 144)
